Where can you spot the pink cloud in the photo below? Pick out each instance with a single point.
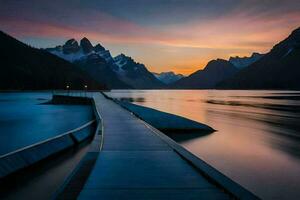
(237, 33)
(97, 26)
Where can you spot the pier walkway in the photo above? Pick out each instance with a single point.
(137, 162)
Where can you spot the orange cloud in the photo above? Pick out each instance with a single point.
(184, 47)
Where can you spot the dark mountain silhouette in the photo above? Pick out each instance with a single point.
(117, 73)
(86, 45)
(135, 74)
(27, 68)
(278, 69)
(214, 72)
(70, 46)
(242, 62)
(99, 69)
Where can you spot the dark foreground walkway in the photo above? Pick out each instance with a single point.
(136, 163)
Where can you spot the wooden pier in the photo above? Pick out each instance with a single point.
(137, 161)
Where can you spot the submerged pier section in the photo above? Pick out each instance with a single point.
(139, 162)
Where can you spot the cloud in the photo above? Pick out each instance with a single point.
(197, 30)
(196, 23)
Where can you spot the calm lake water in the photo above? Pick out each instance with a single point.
(258, 139)
(25, 121)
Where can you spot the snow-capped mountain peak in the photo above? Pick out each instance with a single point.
(120, 60)
(92, 57)
(73, 52)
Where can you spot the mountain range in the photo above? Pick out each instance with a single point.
(168, 77)
(278, 69)
(27, 68)
(116, 72)
(78, 64)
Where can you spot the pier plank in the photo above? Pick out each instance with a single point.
(135, 163)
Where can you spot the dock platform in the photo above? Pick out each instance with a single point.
(137, 161)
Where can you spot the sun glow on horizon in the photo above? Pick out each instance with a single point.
(183, 41)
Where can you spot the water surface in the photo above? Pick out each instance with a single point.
(258, 139)
(25, 121)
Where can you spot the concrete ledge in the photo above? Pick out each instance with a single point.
(42, 151)
(208, 171)
(11, 164)
(29, 156)
(65, 99)
(84, 133)
(74, 183)
(166, 121)
(24, 157)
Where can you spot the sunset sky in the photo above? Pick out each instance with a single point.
(177, 35)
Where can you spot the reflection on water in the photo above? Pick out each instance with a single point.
(258, 139)
(181, 137)
(25, 121)
(294, 108)
(129, 99)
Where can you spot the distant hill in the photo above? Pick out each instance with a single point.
(27, 68)
(117, 72)
(278, 69)
(214, 72)
(168, 77)
(242, 62)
